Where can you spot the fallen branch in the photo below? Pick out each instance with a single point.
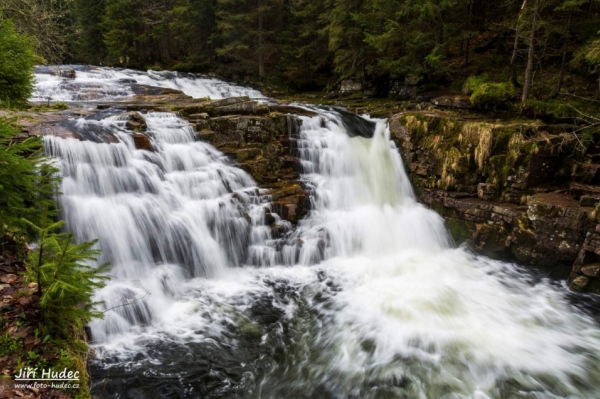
(580, 97)
(129, 303)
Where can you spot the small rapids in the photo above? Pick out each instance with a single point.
(113, 84)
(366, 298)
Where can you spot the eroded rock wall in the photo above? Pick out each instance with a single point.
(519, 191)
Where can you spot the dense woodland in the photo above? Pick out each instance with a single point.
(545, 46)
(47, 287)
(525, 54)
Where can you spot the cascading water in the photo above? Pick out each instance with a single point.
(103, 84)
(369, 300)
(173, 207)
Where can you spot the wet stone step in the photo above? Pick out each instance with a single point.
(592, 270)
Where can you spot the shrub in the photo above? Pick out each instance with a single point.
(26, 185)
(485, 94)
(16, 66)
(66, 280)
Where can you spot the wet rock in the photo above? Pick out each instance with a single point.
(62, 71)
(290, 200)
(229, 101)
(356, 125)
(547, 232)
(135, 122)
(269, 218)
(53, 129)
(261, 144)
(249, 107)
(486, 191)
(243, 154)
(287, 109)
(592, 270)
(200, 116)
(537, 193)
(142, 142)
(459, 102)
(206, 135)
(156, 92)
(579, 283)
(349, 86)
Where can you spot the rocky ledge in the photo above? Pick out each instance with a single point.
(260, 138)
(516, 190)
(263, 141)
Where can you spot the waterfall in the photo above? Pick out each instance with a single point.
(160, 217)
(366, 299)
(110, 84)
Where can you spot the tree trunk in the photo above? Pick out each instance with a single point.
(530, 54)
(261, 53)
(513, 60)
(564, 58)
(468, 51)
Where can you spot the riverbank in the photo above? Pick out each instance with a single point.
(517, 188)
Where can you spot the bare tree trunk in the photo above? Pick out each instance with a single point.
(468, 51)
(470, 27)
(261, 49)
(513, 59)
(530, 55)
(564, 58)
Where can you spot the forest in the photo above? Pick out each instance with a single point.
(263, 250)
(546, 47)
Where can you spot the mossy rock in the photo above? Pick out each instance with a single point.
(459, 230)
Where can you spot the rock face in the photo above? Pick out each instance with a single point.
(262, 142)
(523, 192)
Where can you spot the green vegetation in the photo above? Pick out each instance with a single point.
(65, 281)
(545, 48)
(16, 62)
(486, 94)
(61, 269)
(48, 329)
(310, 45)
(24, 189)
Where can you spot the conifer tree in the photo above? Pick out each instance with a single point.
(66, 280)
(16, 65)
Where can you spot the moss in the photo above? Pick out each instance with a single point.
(417, 184)
(485, 94)
(58, 106)
(459, 230)
(439, 209)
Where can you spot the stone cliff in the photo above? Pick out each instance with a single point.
(517, 190)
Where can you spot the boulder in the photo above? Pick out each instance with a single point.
(460, 102)
(579, 283)
(135, 121)
(62, 71)
(142, 142)
(349, 86)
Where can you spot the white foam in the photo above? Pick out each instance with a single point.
(107, 84)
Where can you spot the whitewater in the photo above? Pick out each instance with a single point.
(366, 298)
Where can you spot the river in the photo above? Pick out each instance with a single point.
(368, 298)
